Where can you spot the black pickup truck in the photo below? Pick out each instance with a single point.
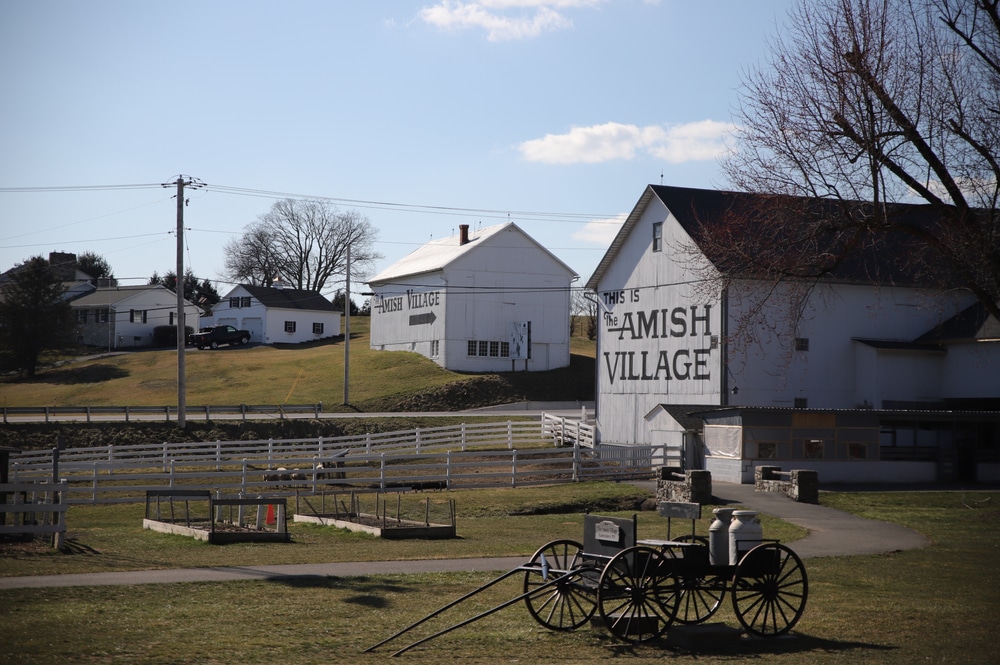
(213, 337)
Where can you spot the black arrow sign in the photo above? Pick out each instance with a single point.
(422, 319)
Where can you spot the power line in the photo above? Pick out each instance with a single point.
(415, 207)
(78, 188)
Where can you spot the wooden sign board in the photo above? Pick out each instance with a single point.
(688, 511)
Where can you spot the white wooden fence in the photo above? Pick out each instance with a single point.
(461, 456)
(31, 508)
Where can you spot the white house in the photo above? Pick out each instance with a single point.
(878, 379)
(276, 315)
(125, 316)
(493, 300)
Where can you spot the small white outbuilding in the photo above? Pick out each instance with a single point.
(492, 300)
(276, 315)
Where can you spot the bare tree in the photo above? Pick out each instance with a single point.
(305, 243)
(866, 104)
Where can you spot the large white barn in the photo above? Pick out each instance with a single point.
(877, 380)
(491, 300)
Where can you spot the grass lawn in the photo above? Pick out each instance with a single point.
(299, 374)
(934, 605)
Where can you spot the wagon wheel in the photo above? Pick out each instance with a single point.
(769, 590)
(701, 592)
(637, 596)
(571, 601)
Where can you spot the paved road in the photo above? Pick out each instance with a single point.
(831, 533)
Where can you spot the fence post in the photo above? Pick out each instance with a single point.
(88, 414)
(46, 414)
(111, 459)
(447, 470)
(172, 472)
(166, 413)
(126, 414)
(164, 456)
(243, 482)
(243, 412)
(270, 453)
(218, 455)
(319, 446)
(368, 443)
(93, 493)
(416, 440)
(513, 469)
(576, 462)
(381, 474)
(464, 439)
(510, 436)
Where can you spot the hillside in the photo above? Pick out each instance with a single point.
(380, 381)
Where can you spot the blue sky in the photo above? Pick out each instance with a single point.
(420, 115)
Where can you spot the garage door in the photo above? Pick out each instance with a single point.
(256, 327)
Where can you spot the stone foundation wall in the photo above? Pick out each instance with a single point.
(674, 485)
(800, 485)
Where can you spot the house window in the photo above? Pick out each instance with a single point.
(658, 236)
(137, 316)
(813, 449)
(234, 302)
(81, 316)
(488, 349)
(289, 326)
(170, 322)
(801, 403)
(767, 450)
(801, 343)
(239, 301)
(104, 315)
(317, 328)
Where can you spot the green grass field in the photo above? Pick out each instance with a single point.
(301, 374)
(934, 605)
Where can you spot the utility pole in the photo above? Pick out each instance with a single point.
(181, 183)
(347, 329)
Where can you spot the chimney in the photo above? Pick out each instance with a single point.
(463, 234)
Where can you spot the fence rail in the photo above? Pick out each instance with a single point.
(31, 508)
(88, 413)
(461, 456)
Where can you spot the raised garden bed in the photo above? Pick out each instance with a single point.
(216, 520)
(401, 523)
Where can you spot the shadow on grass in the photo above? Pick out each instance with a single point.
(97, 373)
(760, 647)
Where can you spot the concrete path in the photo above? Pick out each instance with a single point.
(831, 533)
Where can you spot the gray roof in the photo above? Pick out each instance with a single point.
(439, 254)
(285, 298)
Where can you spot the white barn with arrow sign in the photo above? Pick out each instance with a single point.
(493, 300)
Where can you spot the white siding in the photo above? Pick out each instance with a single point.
(659, 331)
(501, 279)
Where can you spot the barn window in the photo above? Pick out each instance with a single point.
(472, 347)
(289, 326)
(484, 348)
(658, 236)
(435, 348)
(317, 328)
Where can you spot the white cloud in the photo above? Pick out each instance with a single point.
(504, 20)
(600, 231)
(696, 141)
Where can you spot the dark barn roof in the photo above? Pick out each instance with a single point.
(285, 298)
